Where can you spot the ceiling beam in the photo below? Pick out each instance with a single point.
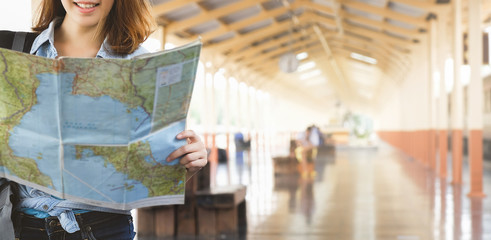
(414, 34)
(425, 6)
(387, 49)
(170, 6)
(274, 63)
(382, 59)
(267, 62)
(386, 13)
(263, 15)
(397, 58)
(244, 23)
(316, 17)
(277, 52)
(315, 6)
(258, 49)
(363, 31)
(486, 12)
(214, 14)
(238, 42)
(361, 49)
(378, 36)
(319, 57)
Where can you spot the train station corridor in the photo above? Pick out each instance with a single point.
(308, 119)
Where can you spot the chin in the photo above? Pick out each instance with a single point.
(87, 22)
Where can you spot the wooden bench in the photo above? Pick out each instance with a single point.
(218, 211)
(222, 211)
(286, 165)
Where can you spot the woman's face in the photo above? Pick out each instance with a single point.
(87, 13)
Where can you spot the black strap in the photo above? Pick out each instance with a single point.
(10, 39)
(19, 40)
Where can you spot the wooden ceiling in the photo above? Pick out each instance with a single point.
(254, 34)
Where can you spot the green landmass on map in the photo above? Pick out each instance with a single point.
(159, 179)
(16, 99)
(130, 82)
(103, 77)
(173, 109)
(145, 71)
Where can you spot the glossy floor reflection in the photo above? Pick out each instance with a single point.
(357, 194)
(364, 194)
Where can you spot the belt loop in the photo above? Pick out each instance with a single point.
(17, 221)
(83, 230)
(47, 225)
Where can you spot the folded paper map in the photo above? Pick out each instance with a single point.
(97, 131)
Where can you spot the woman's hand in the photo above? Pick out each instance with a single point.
(194, 154)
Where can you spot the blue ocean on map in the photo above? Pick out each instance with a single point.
(5, 170)
(36, 137)
(88, 177)
(164, 142)
(100, 120)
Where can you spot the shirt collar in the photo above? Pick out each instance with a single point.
(48, 37)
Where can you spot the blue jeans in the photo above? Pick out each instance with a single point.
(93, 226)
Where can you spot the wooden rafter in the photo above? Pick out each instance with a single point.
(263, 15)
(395, 58)
(240, 41)
(273, 63)
(364, 32)
(170, 6)
(277, 52)
(425, 6)
(344, 32)
(386, 13)
(384, 48)
(258, 49)
(369, 52)
(414, 34)
(382, 61)
(319, 7)
(377, 36)
(206, 16)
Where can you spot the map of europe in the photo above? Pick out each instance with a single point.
(97, 131)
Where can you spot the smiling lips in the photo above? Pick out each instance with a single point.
(86, 7)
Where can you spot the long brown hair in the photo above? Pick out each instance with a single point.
(127, 25)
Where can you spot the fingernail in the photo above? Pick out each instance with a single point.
(179, 136)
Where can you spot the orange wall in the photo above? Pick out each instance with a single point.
(420, 144)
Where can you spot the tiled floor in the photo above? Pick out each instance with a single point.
(364, 194)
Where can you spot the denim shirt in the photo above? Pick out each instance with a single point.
(38, 203)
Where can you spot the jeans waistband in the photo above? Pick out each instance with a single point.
(51, 225)
(87, 217)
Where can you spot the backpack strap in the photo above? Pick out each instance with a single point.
(19, 40)
(22, 41)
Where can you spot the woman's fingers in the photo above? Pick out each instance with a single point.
(193, 155)
(196, 165)
(189, 134)
(186, 149)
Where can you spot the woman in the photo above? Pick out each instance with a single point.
(88, 29)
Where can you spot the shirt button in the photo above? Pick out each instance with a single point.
(45, 207)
